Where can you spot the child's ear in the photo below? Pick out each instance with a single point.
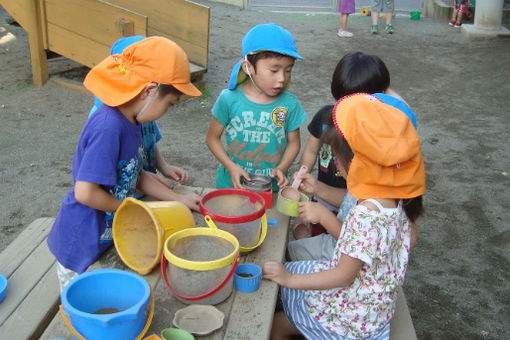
(149, 89)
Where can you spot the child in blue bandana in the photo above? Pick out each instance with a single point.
(259, 117)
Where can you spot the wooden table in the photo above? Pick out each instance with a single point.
(247, 316)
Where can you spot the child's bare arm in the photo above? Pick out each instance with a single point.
(213, 141)
(291, 150)
(169, 171)
(289, 155)
(341, 276)
(151, 186)
(92, 195)
(310, 152)
(317, 213)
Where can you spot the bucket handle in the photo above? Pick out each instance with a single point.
(71, 328)
(213, 291)
(262, 237)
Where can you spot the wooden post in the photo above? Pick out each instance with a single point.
(36, 44)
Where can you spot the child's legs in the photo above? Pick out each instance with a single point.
(64, 276)
(343, 21)
(454, 14)
(459, 17)
(388, 8)
(319, 247)
(282, 328)
(375, 7)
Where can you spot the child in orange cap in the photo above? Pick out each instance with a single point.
(137, 86)
(353, 295)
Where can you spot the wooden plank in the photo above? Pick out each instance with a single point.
(36, 311)
(23, 245)
(25, 278)
(257, 309)
(402, 325)
(196, 53)
(84, 30)
(20, 10)
(185, 22)
(76, 47)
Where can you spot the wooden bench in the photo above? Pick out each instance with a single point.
(33, 292)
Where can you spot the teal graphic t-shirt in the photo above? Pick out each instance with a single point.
(255, 134)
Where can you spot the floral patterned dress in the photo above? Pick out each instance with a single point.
(363, 310)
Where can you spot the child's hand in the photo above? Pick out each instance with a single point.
(276, 272)
(177, 174)
(280, 177)
(236, 172)
(308, 183)
(191, 201)
(311, 211)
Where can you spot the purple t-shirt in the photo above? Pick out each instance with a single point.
(108, 153)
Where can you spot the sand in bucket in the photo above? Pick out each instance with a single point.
(141, 227)
(199, 260)
(239, 212)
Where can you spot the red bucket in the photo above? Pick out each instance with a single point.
(239, 212)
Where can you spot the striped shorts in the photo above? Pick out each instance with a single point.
(293, 301)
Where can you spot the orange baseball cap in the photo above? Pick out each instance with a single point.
(121, 77)
(387, 160)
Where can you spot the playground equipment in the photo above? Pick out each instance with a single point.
(84, 30)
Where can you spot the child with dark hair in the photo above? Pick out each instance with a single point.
(136, 86)
(355, 72)
(259, 117)
(353, 295)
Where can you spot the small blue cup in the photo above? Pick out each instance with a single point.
(247, 277)
(3, 287)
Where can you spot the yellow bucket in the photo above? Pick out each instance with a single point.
(140, 228)
(198, 264)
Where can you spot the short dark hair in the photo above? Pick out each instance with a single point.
(253, 58)
(164, 89)
(359, 72)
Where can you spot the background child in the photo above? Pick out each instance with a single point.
(260, 118)
(137, 86)
(382, 6)
(345, 7)
(353, 295)
(355, 72)
(459, 7)
(153, 159)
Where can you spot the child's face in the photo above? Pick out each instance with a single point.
(158, 107)
(272, 74)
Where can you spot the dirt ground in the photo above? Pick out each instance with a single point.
(458, 284)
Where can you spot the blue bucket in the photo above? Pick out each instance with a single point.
(107, 304)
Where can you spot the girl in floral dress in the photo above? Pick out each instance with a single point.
(353, 295)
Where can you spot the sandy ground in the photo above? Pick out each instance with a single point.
(458, 284)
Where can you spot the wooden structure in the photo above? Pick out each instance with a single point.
(84, 30)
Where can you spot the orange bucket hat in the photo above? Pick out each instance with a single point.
(121, 77)
(387, 161)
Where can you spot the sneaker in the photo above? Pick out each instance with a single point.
(451, 23)
(374, 29)
(389, 29)
(458, 24)
(344, 34)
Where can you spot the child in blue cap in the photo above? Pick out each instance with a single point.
(259, 117)
(153, 161)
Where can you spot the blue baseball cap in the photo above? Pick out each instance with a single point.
(398, 104)
(263, 37)
(119, 45)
